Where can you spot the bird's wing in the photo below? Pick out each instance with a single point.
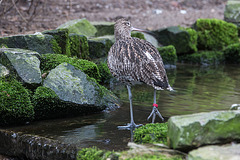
(138, 60)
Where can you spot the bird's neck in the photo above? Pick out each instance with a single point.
(121, 36)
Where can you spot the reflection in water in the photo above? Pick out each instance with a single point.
(197, 89)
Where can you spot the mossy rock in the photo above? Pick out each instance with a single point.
(231, 12)
(104, 28)
(95, 153)
(80, 26)
(79, 46)
(104, 72)
(15, 106)
(203, 58)
(183, 39)
(50, 61)
(168, 54)
(151, 133)
(36, 42)
(99, 47)
(61, 37)
(4, 72)
(138, 35)
(232, 53)
(214, 34)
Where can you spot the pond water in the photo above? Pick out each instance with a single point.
(197, 89)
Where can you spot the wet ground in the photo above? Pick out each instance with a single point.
(197, 89)
(26, 17)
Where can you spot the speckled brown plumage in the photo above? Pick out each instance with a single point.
(131, 59)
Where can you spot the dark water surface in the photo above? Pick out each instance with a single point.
(197, 89)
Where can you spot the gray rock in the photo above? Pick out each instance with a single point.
(180, 38)
(191, 131)
(231, 13)
(99, 47)
(24, 64)
(36, 42)
(72, 85)
(3, 71)
(104, 28)
(80, 26)
(151, 39)
(225, 152)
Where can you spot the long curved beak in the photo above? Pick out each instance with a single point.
(141, 30)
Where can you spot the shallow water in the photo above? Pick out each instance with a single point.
(197, 89)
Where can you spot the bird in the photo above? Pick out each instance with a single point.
(132, 60)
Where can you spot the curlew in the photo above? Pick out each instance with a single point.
(133, 60)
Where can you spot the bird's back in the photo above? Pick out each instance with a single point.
(132, 59)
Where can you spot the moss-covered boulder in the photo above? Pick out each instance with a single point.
(138, 35)
(3, 71)
(23, 64)
(80, 26)
(184, 40)
(232, 53)
(62, 38)
(99, 47)
(168, 54)
(15, 104)
(36, 42)
(187, 132)
(79, 46)
(231, 12)
(96, 154)
(203, 58)
(214, 34)
(50, 61)
(104, 28)
(104, 71)
(215, 152)
(151, 133)
(72, 92)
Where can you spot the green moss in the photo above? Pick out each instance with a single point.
(215, 34)
(96, 154)
(15, 103)
(138, 35)
(168, 54)
(203, 57)
(192, 43)
(62, 38)
(99, 47)
(104, 72)
(55, 47)
(232, 53)
(154, 157)
(151, 133)
(50, 61)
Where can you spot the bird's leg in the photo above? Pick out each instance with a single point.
(131, 125)
(155, 110)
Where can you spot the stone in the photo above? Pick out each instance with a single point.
(3, 71)
(151, 39)
(104, 28)
(215, 34)
(24, 64)
(75, 88)
(99, 47)
(232, 53)
(80, 26)
(214, 152)
(203, 58)
(231, 12)
(187, 132)
(62, 38)
(184, 40)
(26, 146)
(168, 54)
(36, 42)
(79, 46)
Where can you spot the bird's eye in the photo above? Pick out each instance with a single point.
(128, 24)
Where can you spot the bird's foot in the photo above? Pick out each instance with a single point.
(129, 126)
(154, 113)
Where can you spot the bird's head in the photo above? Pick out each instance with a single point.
(123, 29)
